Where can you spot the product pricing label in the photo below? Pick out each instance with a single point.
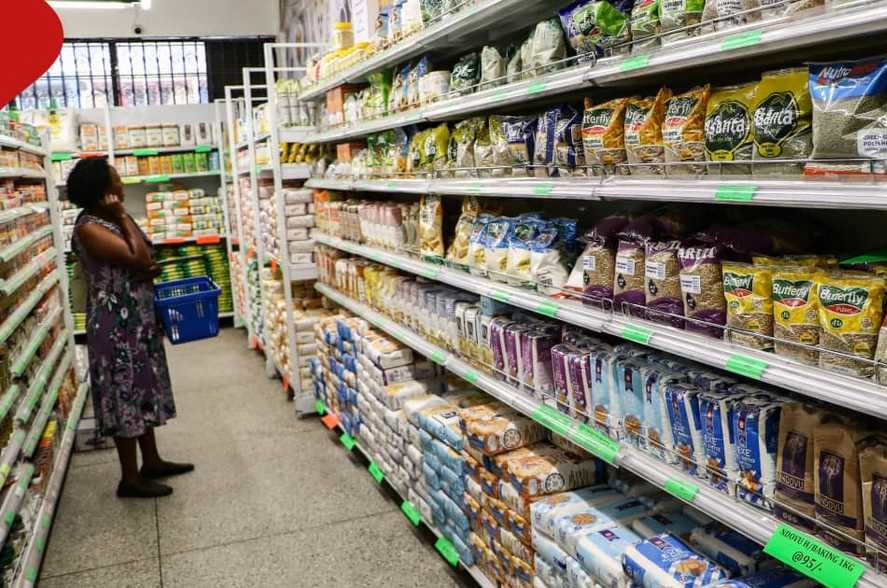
(536, 88)
(552, 420)
(471, 377)
(683, 490)
(446, 549)
(439, 357)
(319, 407)
(145, 152)
(596, 443)
(636, 62)
(431, 273)
(745, 365)
(61, 156)
(330, 421)
(735, 192)
(348, 441)
(543, 189)
(824, 564)
(203, 149)
(131, 180)
(410, 512)
(499, 295)
(637, 334)
(549, 309)
(156, 179)
(376, 472)
(740, 40)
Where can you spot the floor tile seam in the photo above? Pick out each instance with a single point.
(87, 570)
(282, 533)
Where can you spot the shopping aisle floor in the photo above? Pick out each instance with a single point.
(274, 501)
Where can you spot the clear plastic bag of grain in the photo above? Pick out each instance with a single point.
(663, 283)
(796, 313)
(594, 271)
(783, 121)
(643, 132)
(683, 130)
(702, 289)
(728, 129)
(748, 293)
(851, 309)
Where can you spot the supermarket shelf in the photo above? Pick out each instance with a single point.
(147, 151)
(448, 33)
(14, 213)
(13, 321)
(295, 171)
(32, 556)
(259, 139)
(162, 178)
(11, 452)
(22, 244)
(46, 407)
(21, 172)
(41, 379)
(799, 193)
(20, 365)
(757, 524)
(853, 393)
(9, 286)
(14, 143)
(295, 134)
(13, 501)
(201, 240)
(302, 272)
(473, 571)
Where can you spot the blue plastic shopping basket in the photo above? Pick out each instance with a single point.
(189, 308)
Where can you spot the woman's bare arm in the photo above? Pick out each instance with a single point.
(106, 246)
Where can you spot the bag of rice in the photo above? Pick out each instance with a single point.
(782, 120)
(851, 309)
(578, 21)
(431, 226)
(683, 129)
(795, 313)
(682, 407)
(548, 47)
(663, 283)
(466, 75)
(836, 481)
(794, 464)
(728, 128)
(492, 68)
(702, 290)
(748, 292)
(729, 14)
(873, 475)
(643, 131)
(603, 135)
(594, 271)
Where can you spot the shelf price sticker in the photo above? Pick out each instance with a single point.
(156, 179)
(499, 295)
(549, 309)
(595, 443)
(447, 550)
(473, 188)
(348, 441)
(471, 377)
(637, 334)
(61, 156)
(552, 420)
(745, 365)
(430, 273)
(536, 88)
(824, 564)
(330, 421)
(684, 490)
(203, 149)
(4, 472)
(735, 192)
(145, 152)
(410, 512)
(319, 407)
(9, 518)
(131, 180)
(543, 189)
(634, 63)
(439, 357)
(376, 472)
(740, 40)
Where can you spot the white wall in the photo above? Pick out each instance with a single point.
(176, 18)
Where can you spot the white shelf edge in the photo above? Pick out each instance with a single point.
(12, 142)
(21, 172)
(755, 523)
(852, 393)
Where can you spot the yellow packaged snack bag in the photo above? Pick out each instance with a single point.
(431, 226)
(783, 120)
(748, 291)
(603, 135)
(851, 308)
(795, 313)
(643, 131)
(683, 128)
(728, 128)
(458, 249)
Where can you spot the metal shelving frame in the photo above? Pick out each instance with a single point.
(220, 127)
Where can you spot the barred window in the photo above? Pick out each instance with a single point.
(81, 77)
(161, 72)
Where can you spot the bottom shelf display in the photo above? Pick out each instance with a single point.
(511, 483)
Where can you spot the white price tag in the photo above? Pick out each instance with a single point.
(691, 284)
(872, 143)
(625, 265)
(654, 270)
(589, 262)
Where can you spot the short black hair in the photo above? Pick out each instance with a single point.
(89, 181)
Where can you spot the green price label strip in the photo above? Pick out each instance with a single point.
(131, 180)
(746, 366)
(410, 512)
(8, 518)
(552, 420)
(319, 407)
(471, 377)
(535, 88)
(61, 156)
(40, 544)
(549, 309)
(543, 189)
(473, 189)
(145, 152)
(637, 334)
(499, 295)
(348, 441)
(203, 149)
(431, 274)
(740, 40)
(500, 95)
(156, 179)
(636, 62)
(446, 549)
(31, 575)
(735, 192)
(439, 357)
(596, 443)
(377, 474)
(683, 490)
(824, 564)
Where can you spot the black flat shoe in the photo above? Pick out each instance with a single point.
(167, 470)
(145, 489)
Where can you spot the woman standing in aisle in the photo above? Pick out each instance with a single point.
(131, 390)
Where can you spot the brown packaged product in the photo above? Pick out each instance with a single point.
(836, 480)
(431, 226)
(683, 129)
(643, 132)
(603, 133)
(557, 472)
(504, 432)
(873, 473)
(794, 464)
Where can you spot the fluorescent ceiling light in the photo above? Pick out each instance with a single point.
(90, 4)
(146, 4)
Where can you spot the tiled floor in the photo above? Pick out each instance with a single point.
(275, 501)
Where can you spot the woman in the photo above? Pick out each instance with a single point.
(130, 383)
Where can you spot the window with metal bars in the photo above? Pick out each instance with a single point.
(93, 74)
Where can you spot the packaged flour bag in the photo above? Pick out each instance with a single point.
(756, 436)
(666, 561)
(794, 464)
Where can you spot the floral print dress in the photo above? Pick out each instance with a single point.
(131, 389)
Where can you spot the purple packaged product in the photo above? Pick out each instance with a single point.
(539, 362)
(579, 383)
(497, 344)
(512, 351)
(742, 242)
(559, 368)
(663, 284)
(702, 290)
